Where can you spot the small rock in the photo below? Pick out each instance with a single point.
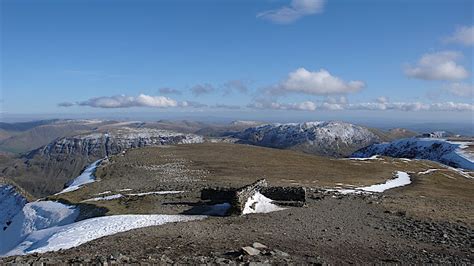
(250, 251)
(280, 253)
(259, 245)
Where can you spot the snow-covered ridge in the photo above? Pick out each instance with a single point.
(129, 133)
(102, 144)
(450, 153)
(330, 138)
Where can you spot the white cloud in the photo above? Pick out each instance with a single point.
(317, 83)
(438, 66)
(122, 101)
(461, 89)
(296, 10)
(463, 35)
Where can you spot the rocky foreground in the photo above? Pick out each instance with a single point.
(330, 229)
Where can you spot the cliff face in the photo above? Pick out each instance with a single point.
(99, 145)
(322, 138)
(45, 170)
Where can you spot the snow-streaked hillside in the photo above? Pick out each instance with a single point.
(439, 150)
(84, 178)
(11, 202)
(325, 138)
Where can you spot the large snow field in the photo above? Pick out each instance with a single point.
(75, 234)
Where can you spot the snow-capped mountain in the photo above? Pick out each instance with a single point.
(447, 152)
(324, 138)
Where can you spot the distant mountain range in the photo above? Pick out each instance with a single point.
(44, 155)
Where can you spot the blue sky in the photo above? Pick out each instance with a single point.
(306, 59)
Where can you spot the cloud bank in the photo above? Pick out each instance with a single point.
(370, 106)
(438, 66)
(296, 10)
(122, 101)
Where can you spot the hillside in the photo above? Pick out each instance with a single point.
(45, 170)
(429, 219)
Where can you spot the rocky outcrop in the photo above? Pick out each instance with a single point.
(323, 138)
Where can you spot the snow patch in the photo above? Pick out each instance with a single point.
(374, 157)
(111, 197)
(86, 177)
(428, 171)
(103, 193)
(155, 192)
(402, 179)
(258, 203)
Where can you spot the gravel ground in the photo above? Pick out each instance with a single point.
(332, 229)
